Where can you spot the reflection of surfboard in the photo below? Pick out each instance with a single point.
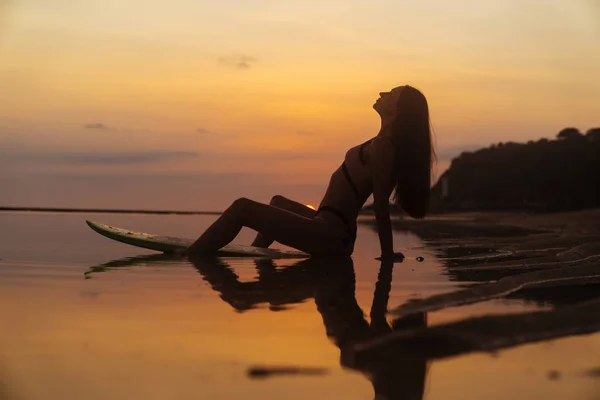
(168, 244)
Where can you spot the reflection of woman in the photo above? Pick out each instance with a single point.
(277, 287)
(333, 286)
(392, 378)
(397, 158)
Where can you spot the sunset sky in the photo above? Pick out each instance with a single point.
(188, 104)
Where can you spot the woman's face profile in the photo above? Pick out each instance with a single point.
(386, 103)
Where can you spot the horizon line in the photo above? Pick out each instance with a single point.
(364, 210)
(107, 210)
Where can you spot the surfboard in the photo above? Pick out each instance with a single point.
(170, 244)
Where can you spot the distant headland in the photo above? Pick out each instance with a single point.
(544, 175)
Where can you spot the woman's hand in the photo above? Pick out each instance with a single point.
(391, 257)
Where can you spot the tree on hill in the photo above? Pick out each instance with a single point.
(593, 134)
(562, 174)
(569, 133)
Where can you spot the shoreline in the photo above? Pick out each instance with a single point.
(582, 222)
(503, 223)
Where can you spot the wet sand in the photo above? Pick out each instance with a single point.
(543, 257)
(585, 222)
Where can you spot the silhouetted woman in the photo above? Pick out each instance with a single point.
(399, 158)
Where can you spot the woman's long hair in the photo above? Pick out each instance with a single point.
(411, 134)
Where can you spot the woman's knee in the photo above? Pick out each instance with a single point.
(239, 205)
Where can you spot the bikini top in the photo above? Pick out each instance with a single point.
(357, 173)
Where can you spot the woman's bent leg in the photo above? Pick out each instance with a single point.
(290, 205)
(310, 235)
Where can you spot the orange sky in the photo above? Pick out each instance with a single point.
(273, 90)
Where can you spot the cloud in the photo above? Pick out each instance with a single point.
(205, 131)
(305, 133)
(219, 136)
(126, 158)
(122, 158)
(238, 61)
(96, 125)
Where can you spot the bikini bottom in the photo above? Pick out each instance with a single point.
(346, 240)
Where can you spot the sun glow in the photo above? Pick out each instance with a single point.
(310, 206)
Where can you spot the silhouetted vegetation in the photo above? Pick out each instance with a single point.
(543, 175)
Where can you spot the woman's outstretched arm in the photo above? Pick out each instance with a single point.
(381, 161)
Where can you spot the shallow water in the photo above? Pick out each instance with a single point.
(86, 317)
